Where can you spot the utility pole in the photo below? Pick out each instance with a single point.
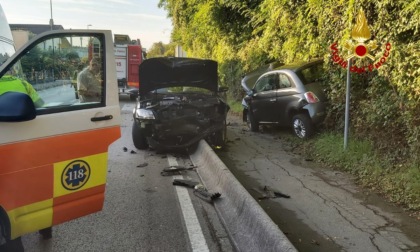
(52, 25)
(347, 111)
(51, 20)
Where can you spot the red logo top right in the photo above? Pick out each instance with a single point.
(360, 46)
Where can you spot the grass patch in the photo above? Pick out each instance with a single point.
(235, 106)
(399, 183)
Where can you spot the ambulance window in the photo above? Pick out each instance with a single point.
(63, 73)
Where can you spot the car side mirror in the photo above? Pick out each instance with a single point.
(16, 107)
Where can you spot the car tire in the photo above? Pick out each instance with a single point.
(133, 97)
(139, 140)
(302, 126)
(253, 124)
(219, 138)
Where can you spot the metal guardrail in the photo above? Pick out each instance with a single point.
(249, 227)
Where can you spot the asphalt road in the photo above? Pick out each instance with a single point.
(326, 210)
(143, 211)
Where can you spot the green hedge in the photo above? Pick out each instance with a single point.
(243, 35)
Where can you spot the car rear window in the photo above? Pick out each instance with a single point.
(311, 74)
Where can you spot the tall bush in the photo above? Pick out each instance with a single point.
(244, 34)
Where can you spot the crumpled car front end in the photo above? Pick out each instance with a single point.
(180, 112)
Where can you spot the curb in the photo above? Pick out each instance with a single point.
(249, 227)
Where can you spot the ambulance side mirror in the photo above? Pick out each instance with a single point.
(16, 107)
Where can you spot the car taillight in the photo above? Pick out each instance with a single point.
(311, 97)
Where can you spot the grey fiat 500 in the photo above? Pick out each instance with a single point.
(288, 95)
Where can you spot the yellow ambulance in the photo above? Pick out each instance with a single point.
(53, 145)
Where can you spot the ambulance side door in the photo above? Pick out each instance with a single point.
(54, 162)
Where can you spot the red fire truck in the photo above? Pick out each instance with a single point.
(128, 56)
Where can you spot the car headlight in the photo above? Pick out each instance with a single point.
(145, 114)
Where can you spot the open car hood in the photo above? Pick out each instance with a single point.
(166, 72)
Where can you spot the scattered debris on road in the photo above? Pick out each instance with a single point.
(315, 242)
(169, 171)
(143, 165)
(185, 182)
(125, 149)
(133, 152)
(276, 193)
(199, 189)
(202, 192)
(269, 193)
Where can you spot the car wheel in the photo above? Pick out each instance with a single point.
(219, 137)
(133, 97)
(139, 140)
(302, 126)
(251, 121)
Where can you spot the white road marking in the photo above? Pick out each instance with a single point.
(195, 233)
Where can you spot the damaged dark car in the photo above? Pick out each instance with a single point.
(288, 95)
(179, 104)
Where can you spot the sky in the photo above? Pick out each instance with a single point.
(140, 19)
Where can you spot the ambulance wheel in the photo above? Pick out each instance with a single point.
(15, 245)
(139, 139)
(46, 233)
(7, 245)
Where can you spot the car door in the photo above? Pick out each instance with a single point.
(263, 104)
(286, 98)
(54, 166)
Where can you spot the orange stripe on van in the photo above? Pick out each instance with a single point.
(22, 188)
(37, 152)
(27, 169)
(78, 204)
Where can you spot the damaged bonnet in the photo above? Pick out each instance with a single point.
(156, 73)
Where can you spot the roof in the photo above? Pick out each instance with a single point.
(122, 39)
(35, 28)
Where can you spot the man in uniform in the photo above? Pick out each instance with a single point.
(89, 84)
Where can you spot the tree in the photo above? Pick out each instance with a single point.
(157, 50)
(242, 35)
(160, 49)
